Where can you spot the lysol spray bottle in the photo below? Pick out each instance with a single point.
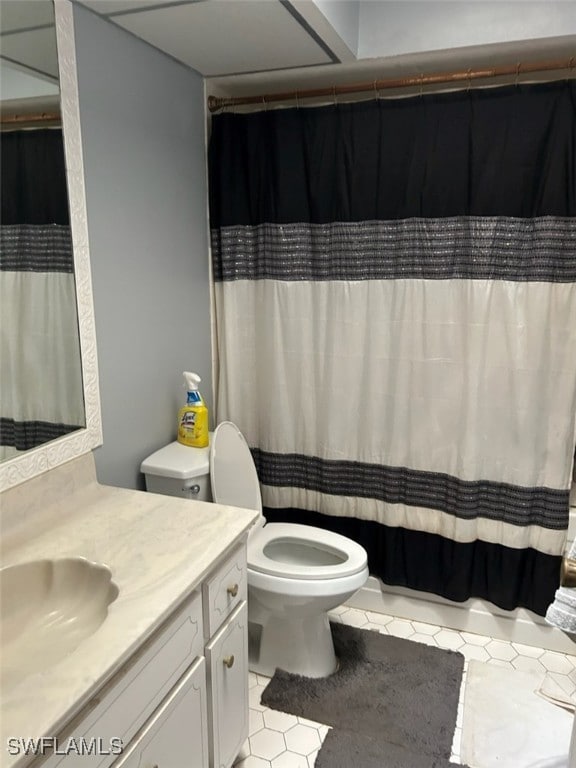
(193, 417)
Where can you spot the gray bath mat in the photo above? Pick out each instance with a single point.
(392, 703)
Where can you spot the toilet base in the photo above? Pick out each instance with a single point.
(299, 644)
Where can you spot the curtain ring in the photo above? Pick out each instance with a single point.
(469, 79)
(297, 101)
(265, 103)
(517, 73)
(334, 95)
(421, 84)
(376, 92)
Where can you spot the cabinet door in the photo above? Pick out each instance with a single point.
(130, 698)
(176, 736)
(227, 659)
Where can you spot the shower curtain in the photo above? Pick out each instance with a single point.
(41, 394)
(395, 309)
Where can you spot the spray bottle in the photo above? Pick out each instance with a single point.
(193, 417)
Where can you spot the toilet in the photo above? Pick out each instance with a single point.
(296, 573)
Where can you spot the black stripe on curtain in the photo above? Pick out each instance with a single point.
(509, 578)
(466, 500)
(33, 179)
(487, 152)
(466, 248)
(36, 248)
(24, 435)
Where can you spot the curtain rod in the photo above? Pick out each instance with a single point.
(33, 117)
(215, 103)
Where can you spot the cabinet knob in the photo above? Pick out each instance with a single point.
(228, 661)
(233, 590)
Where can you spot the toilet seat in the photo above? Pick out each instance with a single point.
(276, 549)
(286, 550)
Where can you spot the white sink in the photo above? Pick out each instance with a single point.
(47, 608)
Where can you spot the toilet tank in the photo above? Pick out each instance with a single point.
(179, 470)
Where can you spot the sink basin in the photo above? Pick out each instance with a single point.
(47, 608)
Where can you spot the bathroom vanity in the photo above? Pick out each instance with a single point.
(163, 680)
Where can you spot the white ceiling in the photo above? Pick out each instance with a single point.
(14, 14)
(28, 38)
(216, 37)
(253, 46)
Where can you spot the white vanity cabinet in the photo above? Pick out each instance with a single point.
(177, 734)
(226, 630)
(181, 701)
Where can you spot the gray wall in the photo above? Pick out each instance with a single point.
(397, 27)
(142, 121)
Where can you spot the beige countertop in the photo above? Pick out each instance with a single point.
(158, 548)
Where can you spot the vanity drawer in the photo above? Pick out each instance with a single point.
(224, 590)
(177, 733)
(126, 701)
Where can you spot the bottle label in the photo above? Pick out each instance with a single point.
(194, 397)
(188, 421)
(193, 426)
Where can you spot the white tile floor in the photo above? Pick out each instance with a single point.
(279, 740)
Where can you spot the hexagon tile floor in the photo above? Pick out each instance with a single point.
(279, 740)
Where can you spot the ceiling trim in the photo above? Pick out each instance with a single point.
(21, 30)
(144, 8)
(311, 32)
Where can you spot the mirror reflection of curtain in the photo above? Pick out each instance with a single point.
(41, 395)
(395, 287)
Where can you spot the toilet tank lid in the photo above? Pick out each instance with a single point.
(177, 461)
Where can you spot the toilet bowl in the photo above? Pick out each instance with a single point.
(296, 573)
(289, 598)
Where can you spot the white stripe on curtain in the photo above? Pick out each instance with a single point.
(42, 377)
(422, 519)
(469, 378)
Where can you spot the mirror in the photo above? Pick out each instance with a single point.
(41, 396)
(58, 364)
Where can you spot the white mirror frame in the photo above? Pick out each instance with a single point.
(50, 455)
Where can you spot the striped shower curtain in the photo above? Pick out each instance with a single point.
(41, 392)
(395, 308)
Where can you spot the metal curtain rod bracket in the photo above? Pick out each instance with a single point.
(216, 103)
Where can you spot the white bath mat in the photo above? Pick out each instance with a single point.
(507, 724)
